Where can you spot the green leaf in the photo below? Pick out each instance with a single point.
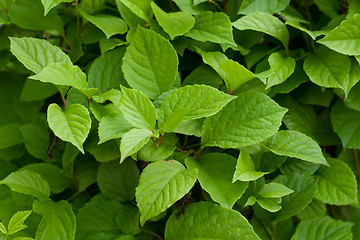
(295, 144)
(161, 184)
(10, 135)
(66, 75)
(176, 23)
(3, 228)
(174, 119)
(198, 100)
(16, 223)
(269, 6)
(97, 219)
(315, 209)
(280, 69)
(71, 125)
(304, 190)
(142, 8)
(21, 11)
(58, 220)
(26, 50)
(231, 128)
(323, 228)
(34, 90)
(214, 59)
(345, 37)
(274, 190)
(204, 220)
(236, 74)
(215, 177)
(337, 184)
(128, 218)
(191, 127)
(105, 72)
(269, 204)
(330, 8)
(110, 44)
(113, 126)
(353, 78)
(203, 75)
(118, 181)
(153, 151)
(85, 172)
(213, 27)
(49, 4)
(52, 174)
(133, 141)
(266, 23)
(346, 123)
(137, 108)
(145, 49)
(109, 24)
(327, 68)
(245, 169)
(28, 182)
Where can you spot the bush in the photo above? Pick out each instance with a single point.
(183, 119)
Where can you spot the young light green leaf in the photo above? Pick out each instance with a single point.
(198, 100)
(142, 8)
(245, 169)
(174, 119)
(105, 72)
(176, 23)
(133, 141)
(327, 68)
(191, 127)
(204, 220)
(295, 144)
(304, 190)
(113, 126)
(346, 123)
(337, 184)
(323, 228)
(161, 184)
(26, 50)
(16, 223)
(65, 74)
(269, 204)
(266, 23)
(58, 220)
(137, 108)
(145, 49)
(269, 6)
(215, 175)
(110, 44)
(153, 151)
(236, 74)
(213, 27)
(231, 128)
(274, 190)
(71, 125)
(344, 38)
(281, 68)
(118, 181)
(49, 4)
(3, 228)
(109, 24)
(28, 182)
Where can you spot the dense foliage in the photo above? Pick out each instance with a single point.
(179, 119)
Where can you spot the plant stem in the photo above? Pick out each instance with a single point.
(67, 42)
(63, 99)
(152, 233)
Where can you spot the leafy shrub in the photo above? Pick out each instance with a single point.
(183, 119)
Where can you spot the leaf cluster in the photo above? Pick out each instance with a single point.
(179, 119)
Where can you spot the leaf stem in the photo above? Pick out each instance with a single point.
(63, 99)
(67, 42)
(216, 4)
(152, 233)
